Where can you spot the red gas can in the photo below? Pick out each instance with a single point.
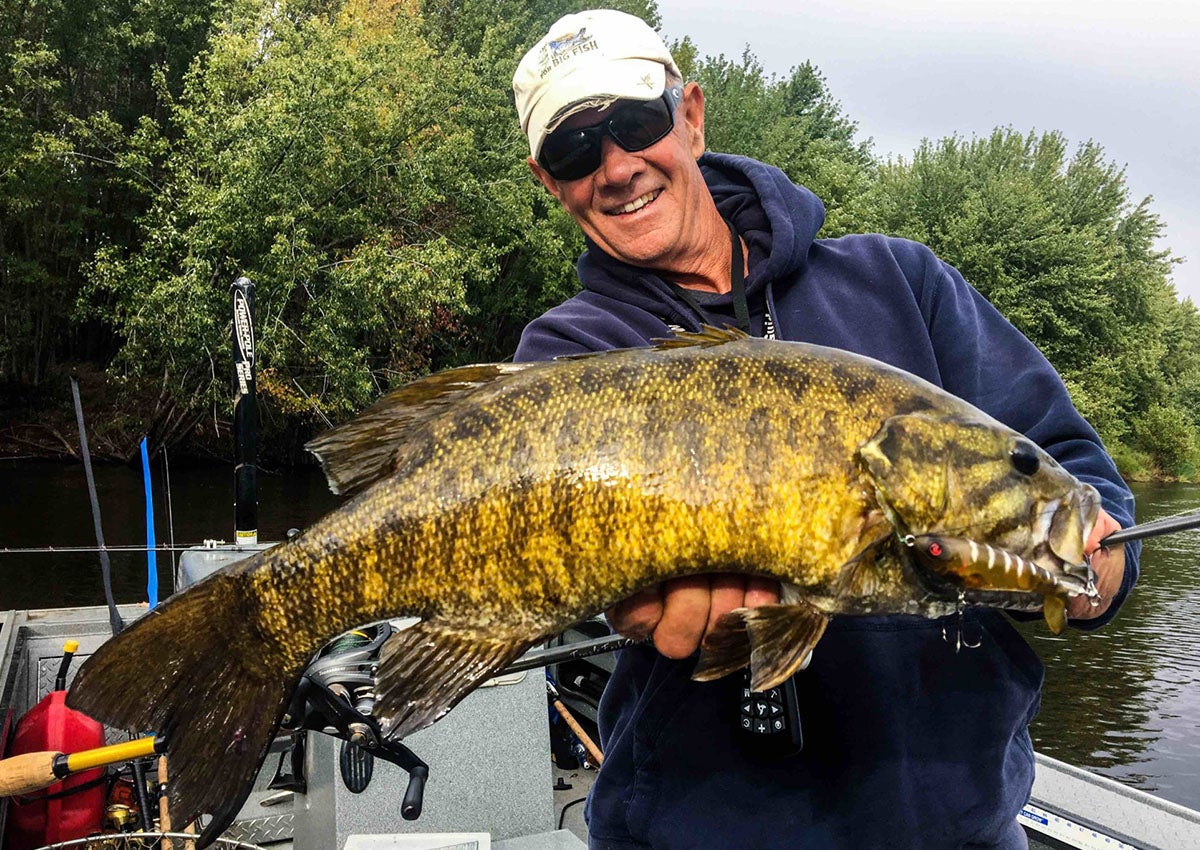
(36, 821)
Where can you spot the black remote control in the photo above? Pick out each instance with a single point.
(770, 720)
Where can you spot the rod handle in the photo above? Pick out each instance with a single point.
(27, 772)
(589, 745)
(31, 771)
(164, 809)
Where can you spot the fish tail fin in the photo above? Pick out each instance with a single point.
(196, 672)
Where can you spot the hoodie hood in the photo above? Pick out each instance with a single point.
(778, 220)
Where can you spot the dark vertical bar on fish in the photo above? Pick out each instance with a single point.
(245, 414)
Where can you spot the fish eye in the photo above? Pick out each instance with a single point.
(1024, 458)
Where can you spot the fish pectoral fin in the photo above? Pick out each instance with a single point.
(860, 577)
(1054, 609)
(781, 638)
(726, 649)
(773, 640)
(426, 669)
(358, 453)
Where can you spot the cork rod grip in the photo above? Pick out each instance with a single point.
(28, 772)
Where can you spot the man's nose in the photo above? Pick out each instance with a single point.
(617, 165)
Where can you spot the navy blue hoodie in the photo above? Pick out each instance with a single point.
(908, 743)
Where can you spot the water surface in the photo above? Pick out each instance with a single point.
(1124, 701)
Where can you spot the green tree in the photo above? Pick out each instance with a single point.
(76, 79)
(791, 122)
(370, 183)
(1056, 244)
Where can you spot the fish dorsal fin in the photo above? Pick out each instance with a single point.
(363, 450)
(426, 669)
(774, 639)
(706, 337)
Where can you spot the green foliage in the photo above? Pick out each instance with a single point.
(793, 123)
(1055, 243)
(1169, 436)
(76, 78)
(363, 181)
(361, 162)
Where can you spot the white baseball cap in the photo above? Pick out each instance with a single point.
(588, 59)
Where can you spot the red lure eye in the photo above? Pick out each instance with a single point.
(935, 549)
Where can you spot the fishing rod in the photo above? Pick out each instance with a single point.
(1167, 525)
(60, 550)
(569, 652)
(114, 618)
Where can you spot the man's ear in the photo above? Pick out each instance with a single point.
(692, 111)
(549, 182)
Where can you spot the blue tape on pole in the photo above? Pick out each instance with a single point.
(151, 554)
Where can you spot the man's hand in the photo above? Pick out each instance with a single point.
(1109, 565)
(680, 612)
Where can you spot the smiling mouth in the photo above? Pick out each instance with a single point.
(637, 203)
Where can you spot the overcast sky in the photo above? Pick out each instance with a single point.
(1125, 73)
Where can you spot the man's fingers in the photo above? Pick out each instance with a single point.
(686, 603)
(728, 593)
(1105, 525)
(761, 591)
(637, 616)
(679, 613)
(1109, 565)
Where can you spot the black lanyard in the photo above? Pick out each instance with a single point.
(737, 280)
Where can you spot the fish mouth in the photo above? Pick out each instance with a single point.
(1061, 531)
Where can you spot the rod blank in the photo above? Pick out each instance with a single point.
(1169, 525)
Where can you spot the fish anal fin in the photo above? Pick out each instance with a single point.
(1054, 609)
(726, 649)
(426, 669)
(781, 638)
(363, 450)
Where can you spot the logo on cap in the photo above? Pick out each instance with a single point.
(559, 50)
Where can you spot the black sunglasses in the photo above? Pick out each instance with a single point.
(569, 154)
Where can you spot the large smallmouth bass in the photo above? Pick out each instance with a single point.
(501, 503)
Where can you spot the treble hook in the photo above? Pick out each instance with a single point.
(960, 606)
(959, 640)
(1089, 589)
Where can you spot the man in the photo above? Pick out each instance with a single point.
(908, 743)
